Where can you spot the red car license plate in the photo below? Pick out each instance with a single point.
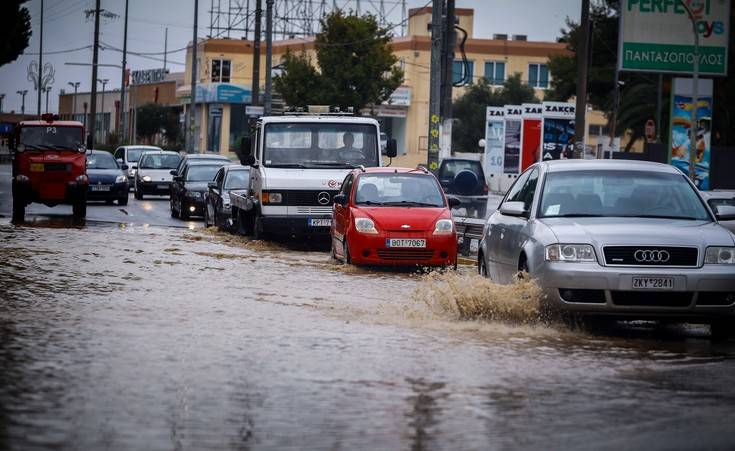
(404, 242)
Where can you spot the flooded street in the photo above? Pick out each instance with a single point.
(136, 337)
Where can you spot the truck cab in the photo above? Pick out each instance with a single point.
(297, 166)
(49, 165)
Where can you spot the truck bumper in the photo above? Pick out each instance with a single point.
(294, 226)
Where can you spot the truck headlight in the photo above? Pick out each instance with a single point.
(444, 227)
(271, 198)
(570, 253)
(82, 179)
(365, 225)
(720, 256)
(146, 178)
(121, 179)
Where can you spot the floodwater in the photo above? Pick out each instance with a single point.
(115, 337)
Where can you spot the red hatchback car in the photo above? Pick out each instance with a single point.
(393, 216)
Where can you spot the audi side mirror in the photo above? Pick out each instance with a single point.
(245, 150)
(212, 185)
(725, 213)
(391, 148)
(340, 199)
(513, 209)
(454, 202)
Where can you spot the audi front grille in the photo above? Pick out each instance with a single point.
(651, 256)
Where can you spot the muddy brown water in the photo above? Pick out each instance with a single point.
(115, 337)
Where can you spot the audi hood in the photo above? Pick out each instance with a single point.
(638, 231)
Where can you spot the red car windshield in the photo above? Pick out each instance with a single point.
(51, 137)
(391, 189)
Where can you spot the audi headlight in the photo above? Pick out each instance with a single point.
(444, 227)
(570, 253)
(121, 179)
(365, 225)
(146, 178)
(720, 256)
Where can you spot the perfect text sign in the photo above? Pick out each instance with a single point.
(657, 36)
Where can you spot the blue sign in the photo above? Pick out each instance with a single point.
(6, 128)
(222, 93)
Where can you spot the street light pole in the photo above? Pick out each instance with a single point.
(40, 62)
(695, 97)
(2, 97)
(268, 56)
(123, 109)
(102, 107)
(190, 129)
(74, 85)
(23, 101)
(47, 89)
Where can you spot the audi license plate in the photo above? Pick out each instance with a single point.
(653, 283)
(100, 188)
(318, 222)
(404, 242)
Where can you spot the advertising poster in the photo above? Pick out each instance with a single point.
(512, 139)
(531, 134)
(558, 126)
(681, 116)
(494, 150)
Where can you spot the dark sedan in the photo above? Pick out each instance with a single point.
(107, 181)
(217, 209)
(187, 189)
(197, 158)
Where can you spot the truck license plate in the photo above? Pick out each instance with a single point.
(100, 188)
(404, 242)
(318, 222)
(653, 283)
(36, 167)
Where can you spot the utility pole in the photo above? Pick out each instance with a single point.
(40, 62)
(435, 83)
(192, 104)
(256, 54)
(2, 97)
(23, 101)
(95, 57)
(104, 83)
(123, 109)
(268, 54)
(165, 49)
(449, 41)
(582, 63)
(74, 85)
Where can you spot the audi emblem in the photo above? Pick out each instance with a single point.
(651, 256)
(323, 198)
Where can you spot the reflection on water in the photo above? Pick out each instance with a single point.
(119, 337)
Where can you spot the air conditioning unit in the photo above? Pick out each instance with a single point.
(520, 37)
(501, 37)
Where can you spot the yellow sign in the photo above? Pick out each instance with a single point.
(433, 166)
(435, 133)
(434, 118)
(434, 147)
(36, 167)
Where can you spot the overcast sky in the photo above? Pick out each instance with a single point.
(66, 28)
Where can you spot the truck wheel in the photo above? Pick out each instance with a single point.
(19, 210)
(257, 232)
(79, 209)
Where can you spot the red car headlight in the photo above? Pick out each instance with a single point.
(365, 225)
(444, 227)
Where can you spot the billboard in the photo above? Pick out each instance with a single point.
(558, 127)
(681, 116)
(494, 150)
(657, 36)
(512, 139)
(531, 134)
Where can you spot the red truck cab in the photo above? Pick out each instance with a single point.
(49, 165)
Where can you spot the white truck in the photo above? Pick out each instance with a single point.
(297, 165)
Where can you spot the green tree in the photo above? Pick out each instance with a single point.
(357, 65)
(154, 119)
(469, 109)
(15, 30)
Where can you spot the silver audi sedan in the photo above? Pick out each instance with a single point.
(615, 239)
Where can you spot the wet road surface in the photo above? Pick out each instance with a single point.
(144, 337)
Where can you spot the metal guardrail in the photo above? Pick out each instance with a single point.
(469, 233)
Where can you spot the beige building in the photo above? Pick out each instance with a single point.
(225, 79)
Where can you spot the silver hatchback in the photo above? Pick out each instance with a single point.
(618, 238)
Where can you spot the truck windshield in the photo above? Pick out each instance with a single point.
(51, 137)
(317, 145)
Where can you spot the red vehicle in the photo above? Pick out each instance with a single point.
(393, 216)
(49, 165)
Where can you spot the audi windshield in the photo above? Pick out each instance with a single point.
(320, 145)
(604, 193)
